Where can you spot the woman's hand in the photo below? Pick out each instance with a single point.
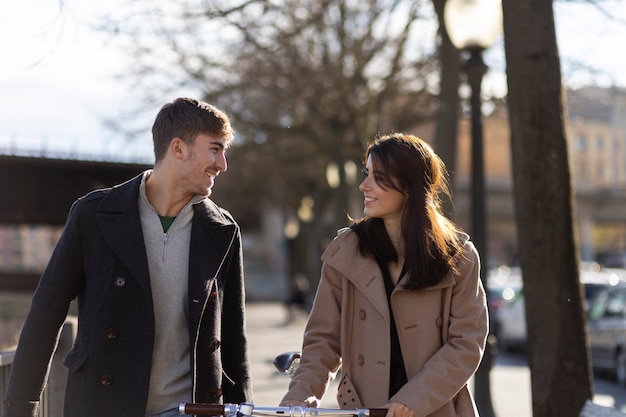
(396, 409)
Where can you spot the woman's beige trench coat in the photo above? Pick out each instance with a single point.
(442, 332)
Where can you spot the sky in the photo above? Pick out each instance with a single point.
(58, 80)
(58, 76)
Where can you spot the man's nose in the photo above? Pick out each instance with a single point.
(221, 162)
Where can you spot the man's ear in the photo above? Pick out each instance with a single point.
(178, 147)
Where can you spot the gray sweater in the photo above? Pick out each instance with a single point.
(168, 263)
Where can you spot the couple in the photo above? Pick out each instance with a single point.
(157, 269)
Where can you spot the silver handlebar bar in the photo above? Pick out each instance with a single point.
(249, 410)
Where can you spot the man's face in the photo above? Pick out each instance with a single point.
(204, 159)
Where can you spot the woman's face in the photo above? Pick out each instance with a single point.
(385, 203)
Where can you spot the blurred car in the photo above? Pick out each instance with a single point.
(511, 316)
(512, 324)
(504, 284)
(606, 323)
(594, 281)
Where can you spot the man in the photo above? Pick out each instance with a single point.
(157, 269)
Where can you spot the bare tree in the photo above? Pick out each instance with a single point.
(560, 372)
(307, 83)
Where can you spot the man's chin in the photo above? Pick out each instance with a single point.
(204, 192)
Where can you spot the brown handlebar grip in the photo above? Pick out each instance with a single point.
(378, 412)
(202, 409)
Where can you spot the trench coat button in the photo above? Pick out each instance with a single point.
(439, 322)
(120, 282)
(216, 344)
(217, 392)
(360, 360)
(213, 296)
(106, 379)
(7, 403)
(362, 314)
(111, 333)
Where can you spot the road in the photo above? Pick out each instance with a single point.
(269, 334)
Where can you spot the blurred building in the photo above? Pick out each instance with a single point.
(597, 134)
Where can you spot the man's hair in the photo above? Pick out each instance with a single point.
(186, 118)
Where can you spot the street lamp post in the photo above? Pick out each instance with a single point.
(473, 26)
(475, 69)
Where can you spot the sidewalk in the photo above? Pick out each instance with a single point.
(269, 335)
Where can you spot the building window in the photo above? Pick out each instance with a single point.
(580, 143)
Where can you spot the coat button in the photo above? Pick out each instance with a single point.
(7, 403)
(360, 360)
(213, 296)
(120, 281)
(106, 380)
(217, 392)
(111, 333)
(362, 314)
(216, 344)
(439, 322)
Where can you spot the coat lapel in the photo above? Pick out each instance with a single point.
(212, 234)
(342, 254)
(120, 226)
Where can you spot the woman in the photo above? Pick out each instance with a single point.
(400, 306)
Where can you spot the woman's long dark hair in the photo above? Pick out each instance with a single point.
(408, 164)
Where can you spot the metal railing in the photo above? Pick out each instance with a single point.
(138, 155)
(6, 359)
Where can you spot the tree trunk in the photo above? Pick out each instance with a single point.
(561, 380)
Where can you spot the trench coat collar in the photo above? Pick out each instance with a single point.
(343, 255)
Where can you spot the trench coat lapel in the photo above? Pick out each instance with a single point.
(120, 226)
(370, 282)
(342, 254)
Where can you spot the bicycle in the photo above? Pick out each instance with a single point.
(250, 410)
(287, 363)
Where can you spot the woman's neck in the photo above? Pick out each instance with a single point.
(394, 231)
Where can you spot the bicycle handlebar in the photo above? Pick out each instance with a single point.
(249, 410)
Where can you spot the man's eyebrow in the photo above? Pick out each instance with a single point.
(219, 144)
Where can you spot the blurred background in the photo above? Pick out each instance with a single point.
(307, 84)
